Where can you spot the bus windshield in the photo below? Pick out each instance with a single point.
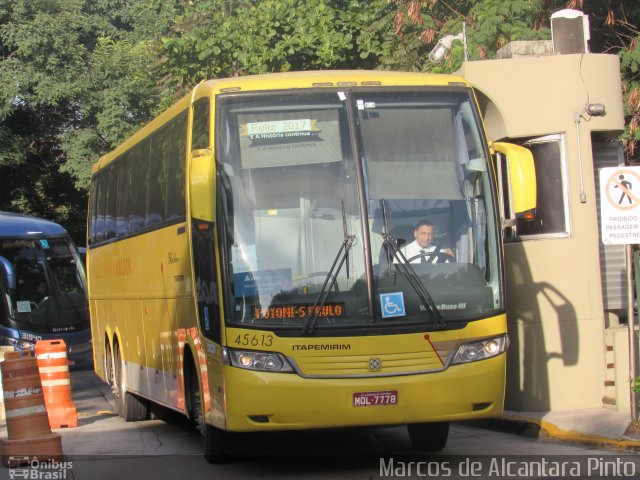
(49, 294)
(324, 196)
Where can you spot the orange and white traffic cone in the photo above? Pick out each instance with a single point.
(56, 383)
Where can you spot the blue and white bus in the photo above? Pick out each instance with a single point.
(43, 293)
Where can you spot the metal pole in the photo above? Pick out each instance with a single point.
(464, 41)
(631, 321)
(576, 119)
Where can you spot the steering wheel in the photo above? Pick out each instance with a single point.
(41, 302)
(440, 257)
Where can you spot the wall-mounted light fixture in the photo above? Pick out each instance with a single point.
(444, 45)
(595, 109)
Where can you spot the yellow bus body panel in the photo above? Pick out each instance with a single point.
(141, 293)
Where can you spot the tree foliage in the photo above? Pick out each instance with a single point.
(219, 38)
(74, 81)
(79, 76)
(491, 24)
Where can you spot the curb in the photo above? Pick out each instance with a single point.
(533, 427)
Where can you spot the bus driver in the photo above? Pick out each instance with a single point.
(422, 250)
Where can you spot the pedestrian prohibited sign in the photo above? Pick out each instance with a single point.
(620, 205)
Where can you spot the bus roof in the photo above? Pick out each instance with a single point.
(16, 225)
(310, 79)
(333, 78)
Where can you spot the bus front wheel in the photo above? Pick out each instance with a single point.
(429, 437)
(215, 442)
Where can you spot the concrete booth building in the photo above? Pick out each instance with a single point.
(566, 291)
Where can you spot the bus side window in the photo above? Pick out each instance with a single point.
(101, 207)
(93, 203)
(156, 180)
(200, 138)
(175, 206)
(206, 280)
(110, 214)
(137, 178)
(122, 203)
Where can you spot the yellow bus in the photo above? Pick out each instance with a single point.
(251, 257)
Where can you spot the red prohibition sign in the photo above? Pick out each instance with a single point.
(619, 190)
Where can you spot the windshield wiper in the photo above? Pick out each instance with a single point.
(345, 232)
(339, 260)
(405, 267)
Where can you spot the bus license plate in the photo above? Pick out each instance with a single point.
(368, 399)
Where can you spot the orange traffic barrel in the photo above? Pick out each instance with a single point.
(25, 411)
(19, 364)
(3, 351)
(56, 383)
(28, 430)
(42, 448)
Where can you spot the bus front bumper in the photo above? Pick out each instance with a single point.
(259, 401)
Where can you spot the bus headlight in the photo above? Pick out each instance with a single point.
(17, 343)
(481, 350)
(255, 360)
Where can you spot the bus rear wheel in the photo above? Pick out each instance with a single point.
(130, 407)
(429, 437)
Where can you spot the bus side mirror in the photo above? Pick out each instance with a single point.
(203, 185)
(7, 274)
(520, 180)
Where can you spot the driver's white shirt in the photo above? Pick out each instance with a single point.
(413, 249)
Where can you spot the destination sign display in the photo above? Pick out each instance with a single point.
(17, 243)
(297, 311)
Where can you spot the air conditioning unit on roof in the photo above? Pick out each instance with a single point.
(570, 32)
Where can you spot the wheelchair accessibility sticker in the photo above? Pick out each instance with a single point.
(392, 305)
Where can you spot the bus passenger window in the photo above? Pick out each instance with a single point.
(175, 200)
(200, 124)
(122, 204)
(92, 212)
(110, 215)
(156, 182)
(137, 172)
(101, 207)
